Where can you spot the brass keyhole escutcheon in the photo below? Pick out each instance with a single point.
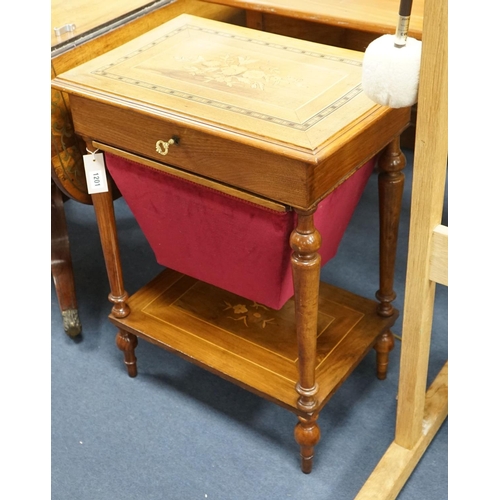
(162, 146)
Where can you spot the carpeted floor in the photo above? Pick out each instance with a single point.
(177, 432)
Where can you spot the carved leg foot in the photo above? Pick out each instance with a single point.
(307, 435)
(383, 346)
(71, 322)
(127, 342)
(61, 266)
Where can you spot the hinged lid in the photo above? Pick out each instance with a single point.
(276, 89)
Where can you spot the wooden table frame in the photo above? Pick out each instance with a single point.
(305, 241)
(273, 170)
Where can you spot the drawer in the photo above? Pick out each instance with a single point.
(193, 178)
(266, 174)
(287, 176)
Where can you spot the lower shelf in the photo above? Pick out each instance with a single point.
(252, 345)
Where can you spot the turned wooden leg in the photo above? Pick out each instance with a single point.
(390, 184)
(383, 346)
(305, 241)
(127, 342)
(106, 222)
(307, 434)
(61, 266)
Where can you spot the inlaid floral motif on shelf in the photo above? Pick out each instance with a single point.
(236, 71)
(255, 314)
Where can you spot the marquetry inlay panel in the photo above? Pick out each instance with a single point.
(247, 341)
(286, 89)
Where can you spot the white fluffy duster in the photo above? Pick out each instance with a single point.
(390, 74)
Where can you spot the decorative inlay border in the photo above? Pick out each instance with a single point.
(303, 126)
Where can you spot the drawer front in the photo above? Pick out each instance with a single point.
(236, 164)
(285, 176)
(194, 179)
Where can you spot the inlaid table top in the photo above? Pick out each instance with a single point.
(299, 101)
(374, 16)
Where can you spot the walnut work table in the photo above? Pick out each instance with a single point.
(270, 122)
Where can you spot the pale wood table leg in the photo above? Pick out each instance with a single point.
(305, 241)
(61, 265)
(391, 184)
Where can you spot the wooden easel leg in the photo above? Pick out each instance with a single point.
(305, 241)
(127, 342)
(61, 266)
